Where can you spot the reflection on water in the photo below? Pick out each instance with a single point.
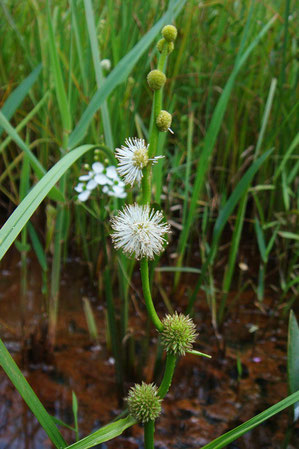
(208, 397)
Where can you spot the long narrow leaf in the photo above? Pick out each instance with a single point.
(17, 96)
(59, 84)
(23, 387)
(28, 206)
(293, 359)
(98, 69)
(232, 435)
(106, 433)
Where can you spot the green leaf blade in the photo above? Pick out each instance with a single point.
(232, 435)
(15, 375)
(28, 206)
(106, 433)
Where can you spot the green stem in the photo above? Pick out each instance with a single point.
(149, 430)
(147, 295)
(168, 374)
(154, 134)
(163, 57)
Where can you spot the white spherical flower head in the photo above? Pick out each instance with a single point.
(132, 160)
(106, 64)
(139, 231)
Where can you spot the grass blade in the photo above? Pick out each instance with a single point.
(232, 435)
(293, 359)
(17, 96)
(37, 246)
(36, 165)
(28, 206)
(260, 239)
(98, 69)
(23, 387)
(59, 84)
(106, 433)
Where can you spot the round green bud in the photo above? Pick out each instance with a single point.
(169, 32)
(163, 121)
(156, 79)
(144, 403)
(178, 334)
(86, 167)
(162, 42)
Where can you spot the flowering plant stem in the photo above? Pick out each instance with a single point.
(149, 430)
(168, 374)
(154, 134)
(147, 295)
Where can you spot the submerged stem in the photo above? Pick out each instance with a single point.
(168, 374)
(147, 295)
(149, 430)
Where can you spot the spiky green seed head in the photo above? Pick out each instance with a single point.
(163, 121)
(162, 42)
(156, 79)
(144, 403)
(178, 334)
(169, 32)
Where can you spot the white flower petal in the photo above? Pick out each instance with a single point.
(92, 184)
(111, 172)
(79, 187)
(83, 196)
(132, 159)
(139, 230)
(98, 167)
(117, 189)
(85, 178)
(102, 179)
(106, 64)
(122, 195)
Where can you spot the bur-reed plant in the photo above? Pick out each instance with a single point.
(140, 231)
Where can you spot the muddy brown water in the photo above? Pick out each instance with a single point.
(207, 398)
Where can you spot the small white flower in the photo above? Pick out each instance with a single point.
(106, 64)
(132, 159)
(83, 191)
(98, 167)
(118, 191)
(90, 178)
(139, 230)
(102, 179)
(112, 173)
(80, 187)
(83, 196)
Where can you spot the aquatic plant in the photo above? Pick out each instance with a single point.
(140, 230)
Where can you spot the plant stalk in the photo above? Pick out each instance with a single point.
(149, 430)
(147, 295)
(168, 374)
